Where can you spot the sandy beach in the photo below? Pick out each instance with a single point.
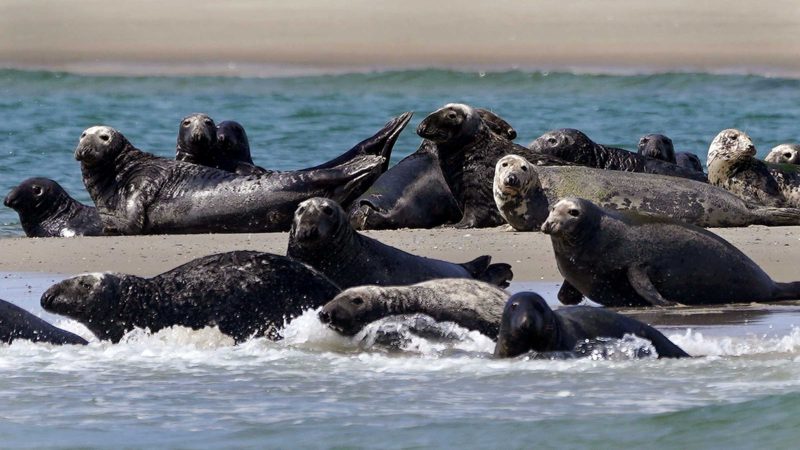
(243, 37)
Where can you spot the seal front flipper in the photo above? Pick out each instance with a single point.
(642, 285)
(569, 295)
(481, 269)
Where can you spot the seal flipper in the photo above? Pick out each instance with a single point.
(642, 285)
(568, 294)
(664, 347)
(771, 216)
(497, 274)
(787, 291)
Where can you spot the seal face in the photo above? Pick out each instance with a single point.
(233, 150)
(322, 237)
(528, 324)
(244, 293)
(629, 259)
(657, 146)
(469, 303)
(46, 210)
(197, 139)
(784, 154)
(16, 323)
(518, 194)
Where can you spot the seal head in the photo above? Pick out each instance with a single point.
(100, 145)
(36, 198)
(562, 143)
(572, 219)
(528, 324)
(657, 146)
(318, 221)
(197, 137)
(454, 124)
(730, 145)
(232, 142)
(784, 154)
(349, 311)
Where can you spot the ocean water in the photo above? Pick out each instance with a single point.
(301, 121)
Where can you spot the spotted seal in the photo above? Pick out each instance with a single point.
(244, 293)
(46, 210)
(16, 323)
(784, 154)
(523, 193)
(322, 237)
(472, 304)
(528, 324)
(618, 258)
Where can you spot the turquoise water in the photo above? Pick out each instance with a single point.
(297, 122)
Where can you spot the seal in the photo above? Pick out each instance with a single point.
(524, 193)
(46, 210)
(472, 304)
(197, 139)
(468, 151)
(784, 154)
(628, 259)
(732, 165)
(574, 146)
(16, 323)
(139, 193)
(233, 150)
(244, 293)
(528, 324)
(657, 146)
(322, 237)
(689, 161)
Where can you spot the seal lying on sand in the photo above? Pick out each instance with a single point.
(233, 150)
(468, 151)
(784, 154)
(322, 237)
(46, 210)
(244, 293)
(660, 147)
(732, 165)
(16, 323)
(574, 146)
(528, 324)
(140, 193)
(688, 161)
(197, 139)
(414, 193)
(627, 259)
(472, 304)
(524, 192)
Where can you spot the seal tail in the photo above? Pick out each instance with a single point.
(777, 216)
(787, 291)
(497, 274)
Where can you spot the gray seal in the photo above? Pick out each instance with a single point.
(528, 324)
(472, 304)
(46, 210)
(784, 154)
(572, 145)
(620, 258)
(246, 294)
(524, 193)
(16, 323)
(660, 147)
(139, 193)
(322, 237)
(232, 152)
(468, 151)
(732, 165)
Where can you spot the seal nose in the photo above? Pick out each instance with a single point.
(11, 198)
(422, 128)
(324, 317)
(547, 227)
(512, 181)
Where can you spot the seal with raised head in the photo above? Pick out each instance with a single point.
(16, 323)
(322, 237)
(688, 161)
(572, 145)
(472, 304)
(46, 210)
(468, 151)
(139, 193)
(784, 154)
(732, 165)
(233, 150)
(244, 293)
(528, 324)
(197, 139)
(660, 147)
(620, 258)
(524, 193)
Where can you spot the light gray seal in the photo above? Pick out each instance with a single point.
(46, 210)
(784, 154)
(472, 304)
(524, 192)
(618, 258)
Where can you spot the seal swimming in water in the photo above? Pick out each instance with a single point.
(16, 323)
(414, 193)
(620, 258)
(572, 145)
(472, 304)
(139, 193)
(732, 165)
(322, 237)
(468, 151)
(528, 324)
(46, 210)
(524, 192)
(244, 293)
(784, 154)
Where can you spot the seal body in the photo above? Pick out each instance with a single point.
(244, 293)
(784, 154)
(574, 146)
(689, 161)
(528, 324)
(139, 193)
(16, 323)
(523, 197)
(628, 259)
(472, 304)
(322, 237)
(468, 151)
(46, 210)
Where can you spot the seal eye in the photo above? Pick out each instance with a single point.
(37, 190)
(514, 305)
(734, 136)
(574, 212)
(452, 115)
(358, 301)
(505, 164)
(524, 168)
(644, 141)
(301, 210)
(552, 141)
(83, 135)
(104, 137)
(208, 121)
(787, 155)
(327, 210)
(187, 122)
